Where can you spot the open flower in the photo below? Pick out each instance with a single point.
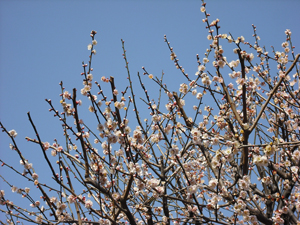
(13, 133)
(88, 204)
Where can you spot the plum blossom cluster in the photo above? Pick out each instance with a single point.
(230, 158)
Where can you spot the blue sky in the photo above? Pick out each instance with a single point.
(45, 42)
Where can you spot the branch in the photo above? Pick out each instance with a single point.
(231, 103)
(86, 175)
(245, 120)
(188, 123)
(53, 172)
(71, 186)
(272, 93)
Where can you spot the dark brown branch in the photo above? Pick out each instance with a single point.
(272, 93)
(86, 175)
(46, 157)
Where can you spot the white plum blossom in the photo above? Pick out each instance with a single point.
(88, 204)
(13, 133)
(153, 183)
(213, 183)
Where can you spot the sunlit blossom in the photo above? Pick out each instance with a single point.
(13, 133)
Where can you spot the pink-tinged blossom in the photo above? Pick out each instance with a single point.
(104, 222)
(92, 97)
(110, 124)
(221, 63)
(155, 138)
(79, 102)
(28, 166)
(59, 149)
(35, 176)
(153, 183)
(215, 78)
(169, 106)
(243, 194)
(277, 219)
(116, 196)
(53, 152)
(164, 219)
(37, 203)
(88, 204)
(61, 206)
(244, 185)
(112, 139)
(66, 95)
(46, 145)
(71, 199)
(156, 118)
(288, 32)
(170, 95)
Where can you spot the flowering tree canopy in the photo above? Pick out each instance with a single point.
(231, 158)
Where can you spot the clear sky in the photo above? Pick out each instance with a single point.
(45, 42)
